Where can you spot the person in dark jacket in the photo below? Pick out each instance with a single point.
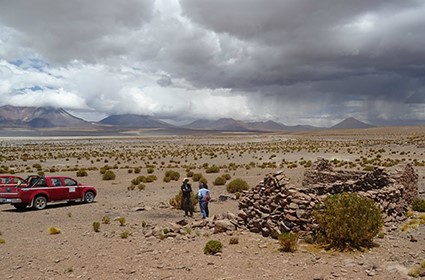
(187, 205)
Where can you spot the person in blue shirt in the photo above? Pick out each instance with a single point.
(203, 199)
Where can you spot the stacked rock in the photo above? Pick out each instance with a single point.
(276, 206)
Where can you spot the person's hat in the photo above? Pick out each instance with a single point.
(185, 179)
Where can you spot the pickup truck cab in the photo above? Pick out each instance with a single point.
(36, 191)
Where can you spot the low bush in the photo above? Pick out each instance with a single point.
(213, 247)
(109, 175)
(166, 179)
(226, 176)
(122, 221)
(96, 226)
(106, 220)
(219, 181)
(237, 185)
(82, 173)
(54, 230)
(418, 204)
(288, 241)
(213, 169)
(172, 175)
(233, 240)
(349, 220)
(176, 201)
(124, 234)
(196, 177)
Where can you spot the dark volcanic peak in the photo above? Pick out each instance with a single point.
(266, 126)
(351, 123)
(136, 121)
(38, 117)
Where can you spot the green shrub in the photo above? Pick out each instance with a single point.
(124, 234)
(106, 220)
(173, 175)
(82, 173)
(233, 240)
(150, 170)
(196, 177)
(189, 174)
(288, 241)
(37, 166)
(2, 241)
(213, 247)
(349, 220)
(226, 176)
(121, 220)
(368, 168)
(96, 226)
(418, 204)
(237, 185)
(414, 272)
(103, 169)
(150, 178)
(137, 170)
(109, 175)
(54, 230)
(166, 179)
(219, 181)
(141, 187)
(176, 201)
(213, 169)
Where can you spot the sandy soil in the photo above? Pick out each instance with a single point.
(78, 252)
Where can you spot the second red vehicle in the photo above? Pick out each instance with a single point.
(37, 191)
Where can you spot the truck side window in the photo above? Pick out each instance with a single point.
(42, 182)
(56, 182)
(70, 182)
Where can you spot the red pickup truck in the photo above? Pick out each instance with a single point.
(36, 191)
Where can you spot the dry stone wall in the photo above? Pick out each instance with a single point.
(276, 206)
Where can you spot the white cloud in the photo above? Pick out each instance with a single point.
(292, 61)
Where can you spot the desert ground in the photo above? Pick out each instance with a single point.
(78, 252)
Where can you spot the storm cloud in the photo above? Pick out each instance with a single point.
(296, 62)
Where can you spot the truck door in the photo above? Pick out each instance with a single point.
(57, 190)
(73, 189)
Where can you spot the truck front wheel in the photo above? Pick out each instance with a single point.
(88, 197)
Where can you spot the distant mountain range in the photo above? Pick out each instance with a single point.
(38, 117)
(49, 117)
(135, 121)
(228, 124)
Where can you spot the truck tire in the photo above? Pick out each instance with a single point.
(39, 203)
(88, 197)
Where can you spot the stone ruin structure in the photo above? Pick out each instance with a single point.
(276, 206)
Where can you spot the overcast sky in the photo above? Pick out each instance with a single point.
(292, 61)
